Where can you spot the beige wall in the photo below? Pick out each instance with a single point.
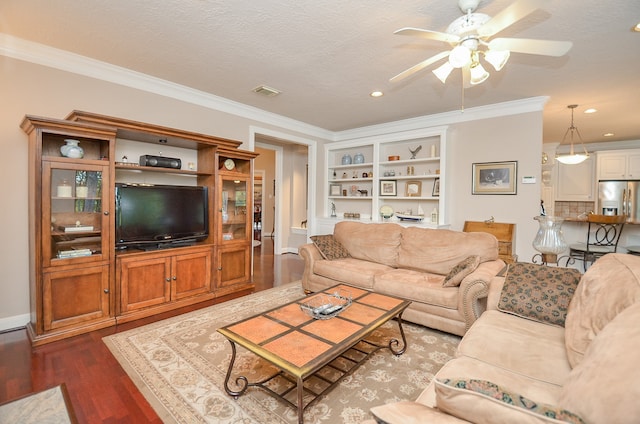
(33, 89)
(37, 90)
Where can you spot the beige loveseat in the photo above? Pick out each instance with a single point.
(520, 365)
(411, 263)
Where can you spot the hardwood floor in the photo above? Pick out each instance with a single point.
(99, 389)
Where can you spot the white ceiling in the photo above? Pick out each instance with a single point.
(326, 56)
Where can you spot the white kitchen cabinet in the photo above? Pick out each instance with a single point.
(576, 182)
(619, 165)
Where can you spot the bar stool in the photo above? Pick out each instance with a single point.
(603, 233)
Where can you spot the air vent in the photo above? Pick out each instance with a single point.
(266, 91)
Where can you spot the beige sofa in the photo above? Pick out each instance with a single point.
(412, 263)
(514, 366)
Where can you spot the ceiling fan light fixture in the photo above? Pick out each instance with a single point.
(497, 58)
(478, 74)
(460, 56)
(443, 71)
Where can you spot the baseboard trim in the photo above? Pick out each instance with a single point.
(14, 322)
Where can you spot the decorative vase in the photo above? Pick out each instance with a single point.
(71, 149)
(346, 159)
(358, 158)
(549, 240)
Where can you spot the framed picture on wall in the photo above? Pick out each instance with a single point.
(436, 187)
(388, 187)
(495, 177)
(413, 189)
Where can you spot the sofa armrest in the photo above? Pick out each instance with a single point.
(474, 287)
(407, 412)
(310, 253)
(495, 289)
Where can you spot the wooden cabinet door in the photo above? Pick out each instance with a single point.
(144, 282)
(75, 297)
(633, 166)
(233, 266)
(576, 182)
(190, 274)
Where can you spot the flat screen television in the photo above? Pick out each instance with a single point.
(156, 216)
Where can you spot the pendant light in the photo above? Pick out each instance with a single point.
(572, 158)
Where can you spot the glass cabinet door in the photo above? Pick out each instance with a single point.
(74, 221)
(234, 204)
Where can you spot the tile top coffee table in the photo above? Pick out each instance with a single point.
(303, 348)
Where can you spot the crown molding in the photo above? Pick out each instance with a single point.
(28, 51)
(516, 107)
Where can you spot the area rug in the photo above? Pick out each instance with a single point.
(180, 364)
(49, 406)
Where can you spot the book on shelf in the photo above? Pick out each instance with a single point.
(78, 228)
(74, 253)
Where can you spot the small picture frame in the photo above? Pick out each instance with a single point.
(413, 189)
(495, 177)
(388, 187)
(335, 190)
(436, 188)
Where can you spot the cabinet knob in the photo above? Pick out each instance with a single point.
(219, 268)
(167, 279)
(174, 278)
(106, 212)
(106, 290)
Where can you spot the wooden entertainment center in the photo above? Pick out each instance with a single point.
(79, 281)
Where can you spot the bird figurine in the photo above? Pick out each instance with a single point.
(415, 151)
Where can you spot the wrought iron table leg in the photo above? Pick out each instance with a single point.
(300, 401)
(240, 381)
(393, 343)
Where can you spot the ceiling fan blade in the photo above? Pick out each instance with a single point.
(531, 46)
(419, 66)
(431, 35)
(508, 16)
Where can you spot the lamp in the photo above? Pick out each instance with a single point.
(478, 74)
(549, 240)
(572, 158)
(443, 71)
(497, 58)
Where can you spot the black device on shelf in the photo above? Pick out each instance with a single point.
(156, 216)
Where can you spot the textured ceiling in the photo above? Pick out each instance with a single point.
(326, 56)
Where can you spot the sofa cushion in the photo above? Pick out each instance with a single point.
(350, 271)
(461, 270)
(519, 382)
(524, 346)
(416, 286)
(329, 247)
(438, 251)
(538, 292)
(604, 386)
(482, 401)
(608, 287)
(370, 242)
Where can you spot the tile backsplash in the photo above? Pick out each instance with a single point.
(573, 209)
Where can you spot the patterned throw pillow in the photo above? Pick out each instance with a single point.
(497, 393)
(538, 292)
(329, 247)
(461, 270)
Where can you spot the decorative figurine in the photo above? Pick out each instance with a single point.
(333, 210)
(415, 151)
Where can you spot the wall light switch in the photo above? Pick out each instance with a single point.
(528, 180)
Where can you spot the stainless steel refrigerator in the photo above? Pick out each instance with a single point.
(620, 198)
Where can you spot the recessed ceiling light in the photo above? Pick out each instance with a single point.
(637, 27)
(608, 134)
(376, 94)
(591, 110)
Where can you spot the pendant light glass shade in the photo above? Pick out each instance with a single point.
(497, 58)
(572, 158)
(460, 56)
(443, 71)
(478, 74)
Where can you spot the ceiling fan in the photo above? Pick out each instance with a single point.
(470, 38)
